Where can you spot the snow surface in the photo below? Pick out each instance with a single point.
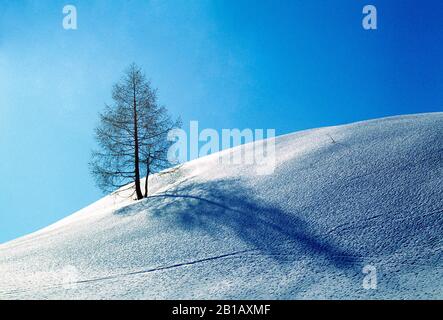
(341, 198)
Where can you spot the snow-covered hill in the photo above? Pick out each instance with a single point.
(341, 198)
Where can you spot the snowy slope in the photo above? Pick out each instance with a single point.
(340, 198)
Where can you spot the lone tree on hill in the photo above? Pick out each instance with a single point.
(131, 135)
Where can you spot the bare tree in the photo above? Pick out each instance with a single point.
(132, 136)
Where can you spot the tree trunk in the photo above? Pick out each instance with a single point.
(147, 178)
(138, 190)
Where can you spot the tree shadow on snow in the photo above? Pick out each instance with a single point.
(228, 205)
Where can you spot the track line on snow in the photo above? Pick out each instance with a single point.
(116, 276)
(183, 264)
(363, 223)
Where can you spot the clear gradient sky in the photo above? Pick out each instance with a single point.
(288, 65)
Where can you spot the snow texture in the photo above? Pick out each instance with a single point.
(340, 198)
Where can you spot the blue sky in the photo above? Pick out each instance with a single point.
(288, 65)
